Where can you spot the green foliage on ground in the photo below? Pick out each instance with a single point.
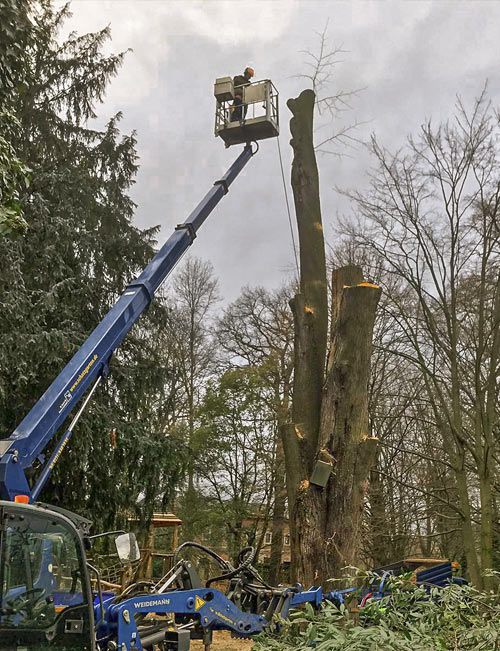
(457, 618)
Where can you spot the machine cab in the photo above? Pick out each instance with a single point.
(256, 119)
(45, 595)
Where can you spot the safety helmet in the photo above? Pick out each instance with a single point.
(249, 71)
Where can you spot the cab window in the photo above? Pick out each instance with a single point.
(41, 570)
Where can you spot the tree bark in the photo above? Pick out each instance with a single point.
(379, 546)
(310, 306)
(328, 521)
(278, 520)
(466, 522)
(329, 411)
(310, 311)
(344, 413)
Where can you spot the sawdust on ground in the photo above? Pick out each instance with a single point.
(223, 641)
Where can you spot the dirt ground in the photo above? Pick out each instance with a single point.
(224, 642)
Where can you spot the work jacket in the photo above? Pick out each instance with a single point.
(239, 81)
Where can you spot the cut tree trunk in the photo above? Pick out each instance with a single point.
(330, 401)
(310, 311)
(328, 521)
(344, 429)
(278, 520)
(310, 306)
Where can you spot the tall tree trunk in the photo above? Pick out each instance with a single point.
(310, 306)
(344, 413)
(310, 310)
(379, 541)
(496, 532)
(486, 549)
(329, 413)
(278, 520)
(468, 537)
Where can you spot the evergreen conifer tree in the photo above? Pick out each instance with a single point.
(79, 252)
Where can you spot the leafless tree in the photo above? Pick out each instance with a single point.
(235, 453)
(333, 135)
(257, 330)
(194, 296)
(430, 215)
(332, 349)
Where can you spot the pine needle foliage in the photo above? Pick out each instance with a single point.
(79, 252)
(15, 27)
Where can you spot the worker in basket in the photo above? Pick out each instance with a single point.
(238, 109)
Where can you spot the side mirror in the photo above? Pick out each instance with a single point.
(127, 548)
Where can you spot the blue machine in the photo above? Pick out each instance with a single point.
(90, 364)
(426, 573)
(46, 594)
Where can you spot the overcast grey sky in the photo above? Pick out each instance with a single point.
(411, 57)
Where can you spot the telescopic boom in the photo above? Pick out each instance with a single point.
(90, 363)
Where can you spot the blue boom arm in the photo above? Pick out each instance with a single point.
(90, 363)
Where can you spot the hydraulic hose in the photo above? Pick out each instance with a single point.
(245, 559)
(244, 564)
(206, 550)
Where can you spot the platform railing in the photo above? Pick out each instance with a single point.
(257, 95)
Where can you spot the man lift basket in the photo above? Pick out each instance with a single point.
(260, 118)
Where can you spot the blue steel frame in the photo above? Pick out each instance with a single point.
(91, 362)
(213, 609)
